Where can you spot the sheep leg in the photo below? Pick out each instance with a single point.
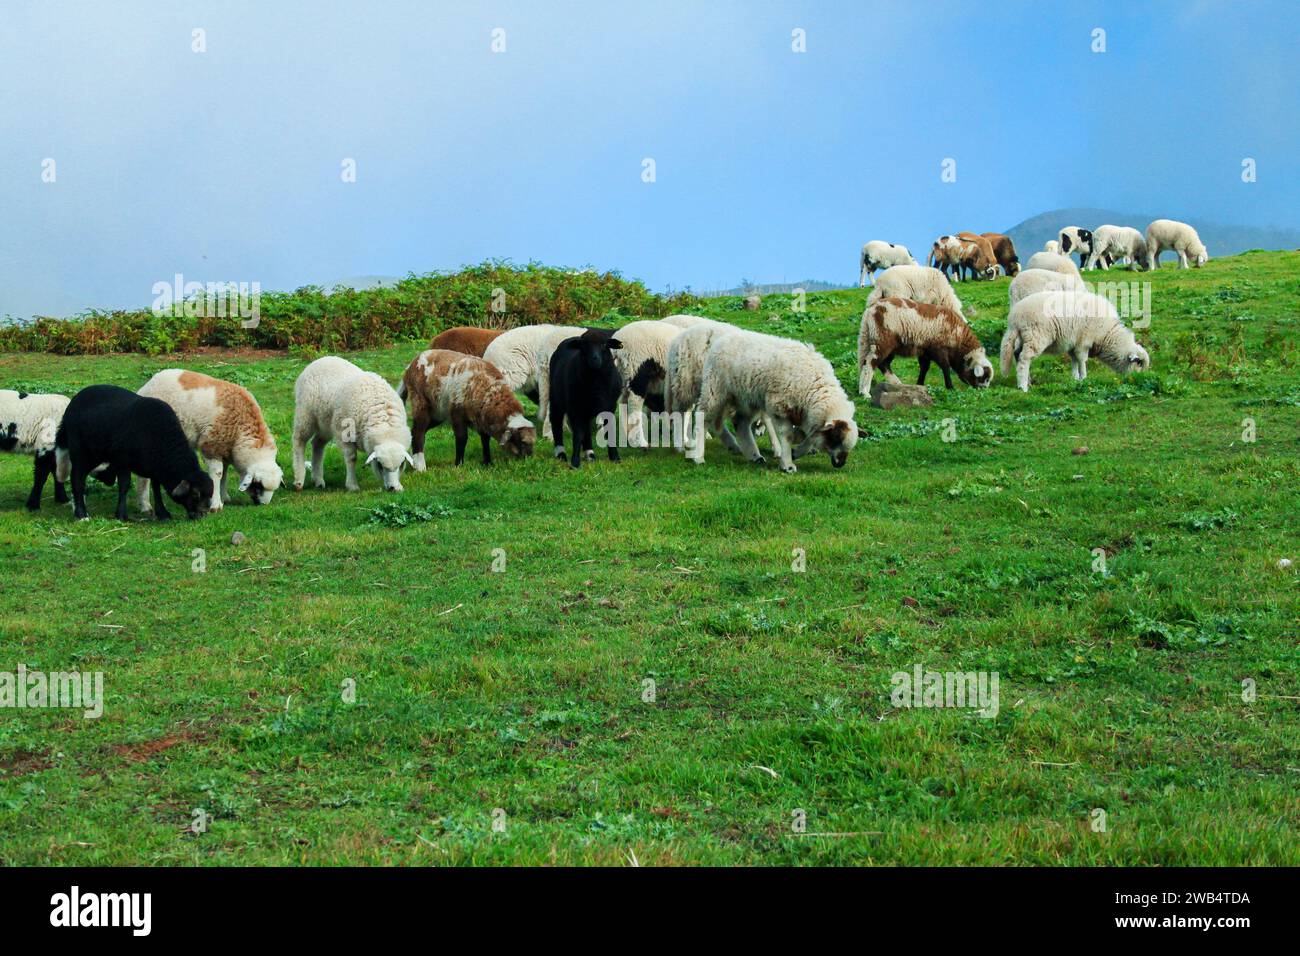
(1081, 356)
(217, 472)
(160, 511)
(318, 461)
(544, 402)
(787, 453)
(772, 434)
(588, 451)
(41, 469)
(301, 432)
(123, 486)
(888, 371)
(924, 361)
(1182, 260)
(461, 429)
(225, 481)
(745, 434)
(79, 492)
(947, 374)
(350, 462)
(635, 426)
(419, 427)
(579, 428)
(1022, 367)
(142, 499)
(487, 448)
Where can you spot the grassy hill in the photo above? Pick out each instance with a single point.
(520, 696)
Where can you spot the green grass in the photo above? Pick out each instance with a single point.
(522, 690)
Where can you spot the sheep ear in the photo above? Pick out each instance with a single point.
(181, 490)
(614, 343)
(373, 456)
(248, 480)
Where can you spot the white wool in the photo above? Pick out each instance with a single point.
(515, 353)
(684, 321)
(878, 254)
(35, 419)
(1053, 262)
(197, 410)
(750, 375)
(1080, 324)
(1073, 242)
(918, 283)
(685, 365)
(1179, 237)
(1041, 280)
(1118, 242)
(1052, 246)
(336, 401)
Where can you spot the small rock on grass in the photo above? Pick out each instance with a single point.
(238, 538)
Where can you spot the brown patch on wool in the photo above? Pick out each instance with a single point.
(486, 403)
(238, 419)
(947, 346)
(465, 339)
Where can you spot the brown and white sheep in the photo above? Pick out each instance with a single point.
(466, 339)
(893, 326)
(444, 385)
(1004, 250)
(976, 257)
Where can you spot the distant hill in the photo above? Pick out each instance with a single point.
(1220, 240)
(774, 288)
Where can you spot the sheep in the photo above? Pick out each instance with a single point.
(514, 353)
(1112, 243)
(1004, 250)
(1074, 239)
(918, 283)
(104, 424)
(945, 255)
(1073, 322)
(893, 327)
(642, 362)
(465, 338)
(878, 254)
(1041, 280)
(1053, 262)
(28, 424)
(976, 257)
(682, 383)
(1165, 234)
(335, 400)
(223, 422)
(444, 385)
(747, 374)
(584, 384)
(1052, 246)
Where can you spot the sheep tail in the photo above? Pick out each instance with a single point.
(401, 389)
(1010, 343)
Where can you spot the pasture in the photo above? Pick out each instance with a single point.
(523, 690)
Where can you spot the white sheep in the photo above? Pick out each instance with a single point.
(223, 423)
(643, 364)
(335, 400)
(28, 425)
(1052, 246)
(918, 283)
(1114, 243)
(1053, 262)
(1042, 280)
(749, 375)
(1080, 324)
(878, 254)
(514, 353)
(1177, 236)
(684, 321)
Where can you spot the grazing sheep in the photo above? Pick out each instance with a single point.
(333, 400)
(584, 384)
(223, 422)
(1074, 239)
(1113, 243)
(28, 424)
(878, 254)
(642, 362)
(930, 333)
(1052, 246)
(1053, 262)
(1042, 280)
(514, 353)
(1079, 324)
(465, 338)
(104, 424)
(682, 383)
(1177, 236)
(976, 257)
(945, 255)
(918, 283)
(749, 375)
(1004, 250)
(444, 385)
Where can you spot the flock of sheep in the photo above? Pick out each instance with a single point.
(704, 376)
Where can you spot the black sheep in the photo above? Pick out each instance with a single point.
(584, 383)
(108, 425)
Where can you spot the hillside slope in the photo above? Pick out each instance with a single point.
(1220, 239)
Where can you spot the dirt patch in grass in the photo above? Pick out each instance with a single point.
(20, 762)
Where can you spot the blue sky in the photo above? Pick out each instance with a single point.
(770, 165)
